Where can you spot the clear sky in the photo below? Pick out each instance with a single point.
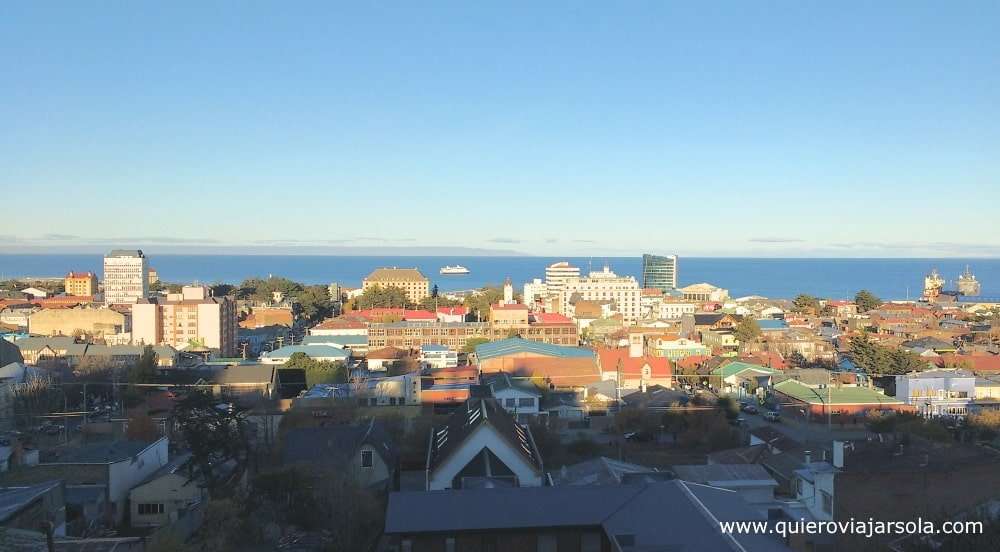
(726, 128)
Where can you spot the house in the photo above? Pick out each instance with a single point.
(663, 515)
(341, 326)
(482, 445)
(166, 495)
(833, 400)
(750, 481)
(356, 344)
(110, 469)
(519, 397)
(940, 392)
(364, 451)
(437, 357)
(384, 358)
(47, 350)
(564, 405)
(562, 366)
(29, 506)
(934, 344)
(892, 481)
(246, 383)
(327, 353)
(452, 314)
(631, 371)
(674, 347)
(741, 377)
(597, 471)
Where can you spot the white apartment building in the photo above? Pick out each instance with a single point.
(535, 292)
(126, 276)
(605, 285)
(557, 274)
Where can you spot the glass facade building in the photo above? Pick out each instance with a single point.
(659, 272)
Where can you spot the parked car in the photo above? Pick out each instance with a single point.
(749, 408)
(772, 416)
(639, 436)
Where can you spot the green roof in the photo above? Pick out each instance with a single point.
(837, 395)
(738, 367)
(516, 345)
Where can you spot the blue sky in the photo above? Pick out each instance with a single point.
(739, 128)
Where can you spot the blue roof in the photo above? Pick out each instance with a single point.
(516, 345)
(344, 340)
(772, 324)
(977, 299)
(313, 351)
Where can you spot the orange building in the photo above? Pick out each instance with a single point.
(81, 284)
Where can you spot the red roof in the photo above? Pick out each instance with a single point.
(340, 324)
(551, 318)
(979, 362)
(386, 353)
(764, 358)
(453, 311)
(632, 366)
(692, 362)
(404, 314)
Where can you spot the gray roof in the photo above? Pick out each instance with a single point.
(15, 499)
(125, 253)
(502, 380)
(597, 471)
(101, 452)
(245, 373)
(725, 474)
(330, 444)
(669, 515)
(36, 343)
(474, 413)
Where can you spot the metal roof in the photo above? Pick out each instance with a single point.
(516, 345)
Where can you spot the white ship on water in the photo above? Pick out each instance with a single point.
(454, 270)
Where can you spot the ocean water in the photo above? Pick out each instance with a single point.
(776, 278)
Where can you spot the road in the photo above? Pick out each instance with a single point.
(803, 432)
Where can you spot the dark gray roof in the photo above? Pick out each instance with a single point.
(713, 474)
(333, 444)
(15, 499)
(36, 343)
(502, 380)
(101, 452)
(245, 373)
(597, 471)
(669, 515)
(474, 413)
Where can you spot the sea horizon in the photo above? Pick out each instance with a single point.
(775, 277)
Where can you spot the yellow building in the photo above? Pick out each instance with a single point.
(81, 284)
(410, 280)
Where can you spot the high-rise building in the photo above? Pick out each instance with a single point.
(410, 280)
(659, 272)
(191, 317)
(126, 276)
(556, 275)
(622, 291)
(81, 284)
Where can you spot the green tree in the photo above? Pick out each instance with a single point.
(747, 330)
(866, 301)
(806, 304)
(143, 371)
(480, 302)
(472, 343)
(383, 297)
(314, 304)
(317, 371)
(878, 360)
(215, 433)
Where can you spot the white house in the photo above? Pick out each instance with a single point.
(35, 292)
(813, 484)
(520, 398)
(940, 392)
(316, 352)
(482, 446)
(437, 357)
(161, 500)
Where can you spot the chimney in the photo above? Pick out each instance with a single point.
(838, 454)
(809, 457)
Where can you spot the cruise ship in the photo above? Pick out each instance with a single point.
(454, 270)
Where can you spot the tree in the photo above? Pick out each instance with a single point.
(480, 301)
(215, 432)
(314, 304)
(806, 304)
(986, 424)
(143, 371)
(878, 360)
(383, 297)
(796, 359)
(728, 407)
(317, 371)
(432, 302)
(866, 301)
(747, 331)
(142, 428)
(472, 343)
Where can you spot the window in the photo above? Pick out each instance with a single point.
(449, 544)
(510, 403)
(366, 459)
(827, 502)
(150, 509)
(529, 402)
